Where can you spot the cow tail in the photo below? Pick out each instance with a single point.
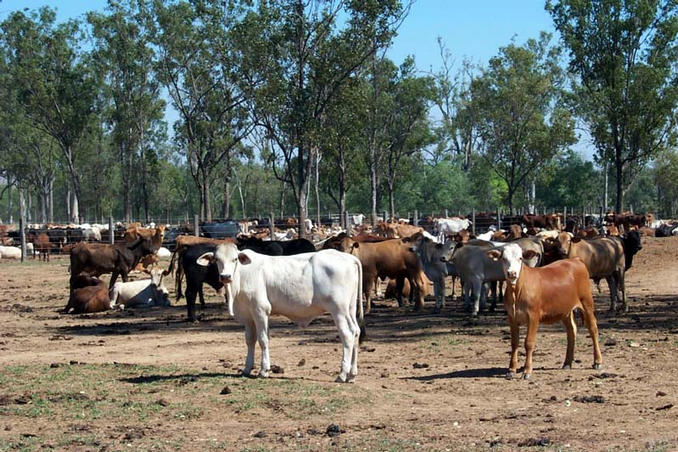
(359, 298)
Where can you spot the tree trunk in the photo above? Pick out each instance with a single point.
(29, 211)
(342, 193)
(206, 198)
(317, 192)
(75, 211)
(606, 188)
(50, 212)
(391, 199)
(373, 186)
(43, 205)
(620, 192)
(126, 176)
(302, 209)
(282, 199)
(68, 202)
(226, 205)
(10, 212)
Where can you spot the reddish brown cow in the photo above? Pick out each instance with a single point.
(545, 295)
(41, 246)
(89, 295)
(549, 221)
(392, 292)
(388, 259)
(587, 233)
(396, 230)
(155, 235)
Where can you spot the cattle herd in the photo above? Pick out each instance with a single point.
(540, 268)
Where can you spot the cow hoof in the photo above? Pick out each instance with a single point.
(341, 379)
(247, 373)
(263, 374)
(526, 376)
(510, 375)
(597, 366)
(567, 366)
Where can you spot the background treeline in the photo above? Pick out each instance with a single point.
(291, 107)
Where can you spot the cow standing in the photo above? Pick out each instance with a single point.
(300, 287)
(545, 295)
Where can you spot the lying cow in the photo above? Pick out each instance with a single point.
(88, 294)
(300, 287)
(143, 293)
(10, 252)
(545, 295)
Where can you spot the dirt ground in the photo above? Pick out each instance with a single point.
(148, 380)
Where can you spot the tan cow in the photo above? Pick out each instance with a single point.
(545, 295)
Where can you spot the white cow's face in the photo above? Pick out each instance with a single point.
(512, 260)
(227, 258)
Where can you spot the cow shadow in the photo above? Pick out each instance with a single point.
(489, 372)
(179, 378)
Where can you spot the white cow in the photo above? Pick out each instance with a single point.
(10, 252)
(450, 226)
(163, 253)
(300, 287)
(143, 293)
(357, 220)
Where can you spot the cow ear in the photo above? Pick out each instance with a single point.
(205, 259)
(439, 245)
(413, 249)
(576, 239)
(494, 254)
(356, 244)
(529, 254)
(244, 259)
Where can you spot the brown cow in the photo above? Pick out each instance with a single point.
(545, 295)
(587, 233)
(396, 230)
(604, 257)
(155, 235)
(391, 288)
(548, 221)
(41, 246)
(88, 294)
(388, 259)
(96, 259)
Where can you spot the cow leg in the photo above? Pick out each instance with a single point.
(612, 284)
(417, 283)
(622, 288)
(530, 341)
(439, 292)
(202, 298)
(114, 277)
(191, 293)
(571, 328)
(251, 340)
(261, 323)
(515, 343)
(368, 282)
(347, 335)
(466, 288)
(476, 289)
(592, 326)
(400, 282)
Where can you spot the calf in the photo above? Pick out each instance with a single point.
(433, 258)
(143, 293)
(545, 295)
(88, 294)
(300, 287)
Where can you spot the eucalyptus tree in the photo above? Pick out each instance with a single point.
(406, 120)
(56, 84)
(125, 57)
(624, 53)
(195, 64)
(522, 119)
(298, 56)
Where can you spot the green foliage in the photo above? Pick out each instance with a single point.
(521, 124)
(569, 181)
(624, 53)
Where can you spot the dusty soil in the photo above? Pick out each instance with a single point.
(147, 380)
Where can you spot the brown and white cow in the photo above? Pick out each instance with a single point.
(545, 295)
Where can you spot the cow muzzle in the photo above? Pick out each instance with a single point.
(225, 279)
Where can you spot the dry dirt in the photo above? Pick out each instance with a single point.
(147, 380)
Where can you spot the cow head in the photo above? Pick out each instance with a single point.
(511, 257)
(156, 274)
(227, 257)
(565, 240)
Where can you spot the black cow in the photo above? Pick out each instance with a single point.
(276, 248)
(632, 244)
(197, 275)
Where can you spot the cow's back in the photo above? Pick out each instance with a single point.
(601, 255)
(387, 257)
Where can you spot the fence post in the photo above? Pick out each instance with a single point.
(385, 216)
(498, 218)
(416, 218)
(446, 213)
(111, 231)
(196, 225)
(22, 229)
(565, 216)
(473, 221)
(271, 226)
(347, 221)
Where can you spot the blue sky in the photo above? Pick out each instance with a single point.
(470, 29)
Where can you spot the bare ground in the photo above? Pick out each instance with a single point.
(147, 380)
